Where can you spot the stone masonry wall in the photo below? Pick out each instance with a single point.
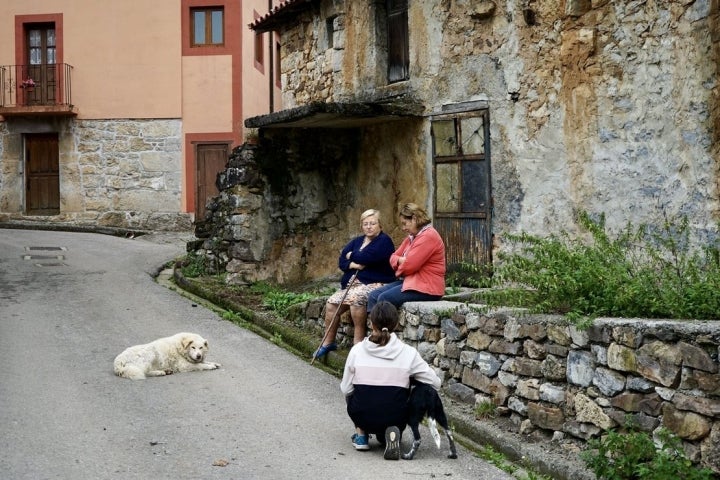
(604, 106)
(113, 173)
(553, 378)
(288, 205)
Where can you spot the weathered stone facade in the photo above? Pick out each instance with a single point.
(603, 106)
(123, 174)
(549, 376)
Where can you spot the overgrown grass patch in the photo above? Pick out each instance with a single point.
(636, 455)
(650, 272)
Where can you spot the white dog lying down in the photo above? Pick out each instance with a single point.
(183, 352)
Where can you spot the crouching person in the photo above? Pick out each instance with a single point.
(376, 382)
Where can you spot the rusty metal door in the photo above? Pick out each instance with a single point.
(462, 196)
(42, 187)
(211, 160)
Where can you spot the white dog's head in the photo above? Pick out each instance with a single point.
(194, 347)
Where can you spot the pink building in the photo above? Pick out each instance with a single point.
(120, 114)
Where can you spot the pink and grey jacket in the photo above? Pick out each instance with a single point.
(376, 381)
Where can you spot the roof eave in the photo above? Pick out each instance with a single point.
(335, 115)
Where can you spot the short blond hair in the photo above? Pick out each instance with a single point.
(369, 213)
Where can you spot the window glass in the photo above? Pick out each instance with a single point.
(217, 27)
(35, 47)
(447, 187)
(259, 48)
(34, 38)
(473, 137)
(51, 46)
(474, 176)
(199, 21)
(444, 140)
(398, 41)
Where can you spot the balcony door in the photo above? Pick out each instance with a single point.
(40, 64)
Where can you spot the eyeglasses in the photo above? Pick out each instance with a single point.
(369, 224)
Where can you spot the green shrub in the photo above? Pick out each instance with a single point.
(279, 300)
(193, 266)
(642, 272)
(634, 455)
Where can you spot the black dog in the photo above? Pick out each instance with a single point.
(424, 402)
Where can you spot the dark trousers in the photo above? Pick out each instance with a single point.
(392, 292)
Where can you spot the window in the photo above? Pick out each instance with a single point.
(460, 162)
(207, 26)
(278, 63)
(398, 41)
(259, 50)
(330, 31)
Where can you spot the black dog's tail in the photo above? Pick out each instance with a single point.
(424, 401)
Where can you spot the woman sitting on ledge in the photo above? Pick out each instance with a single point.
(419, 262)
(365, 265)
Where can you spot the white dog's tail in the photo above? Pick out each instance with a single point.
(432, 425)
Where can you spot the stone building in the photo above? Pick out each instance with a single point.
(500, 116)
(121, 114)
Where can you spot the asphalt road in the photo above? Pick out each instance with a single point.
(70, 302)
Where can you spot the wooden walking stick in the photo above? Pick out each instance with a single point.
(335, 315)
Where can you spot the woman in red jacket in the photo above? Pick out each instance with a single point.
(419, 262)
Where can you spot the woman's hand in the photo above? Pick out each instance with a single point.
(356, 266)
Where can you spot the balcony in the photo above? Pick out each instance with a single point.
(30, 90)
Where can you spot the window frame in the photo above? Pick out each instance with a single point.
(443, 158)
(398, 41)
(208, 11)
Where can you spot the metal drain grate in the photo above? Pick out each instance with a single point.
(35, 258)
(43, 257)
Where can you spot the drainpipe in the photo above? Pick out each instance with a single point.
(271, 63)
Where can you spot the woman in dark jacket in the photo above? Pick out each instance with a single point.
(365, 263)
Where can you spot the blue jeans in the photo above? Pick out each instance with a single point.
(392, 292)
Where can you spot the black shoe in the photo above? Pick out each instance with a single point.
(392, 443)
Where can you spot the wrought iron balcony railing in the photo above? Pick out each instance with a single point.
(36, 88)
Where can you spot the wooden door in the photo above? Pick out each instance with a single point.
(463, 200)
(42, 167)
(40, 64)
(211, 160)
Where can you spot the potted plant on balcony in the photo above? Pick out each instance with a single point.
(28, 84)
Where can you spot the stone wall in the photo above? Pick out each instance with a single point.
(604, 106)
(113, 173)
(288, 205)
(551, 377)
